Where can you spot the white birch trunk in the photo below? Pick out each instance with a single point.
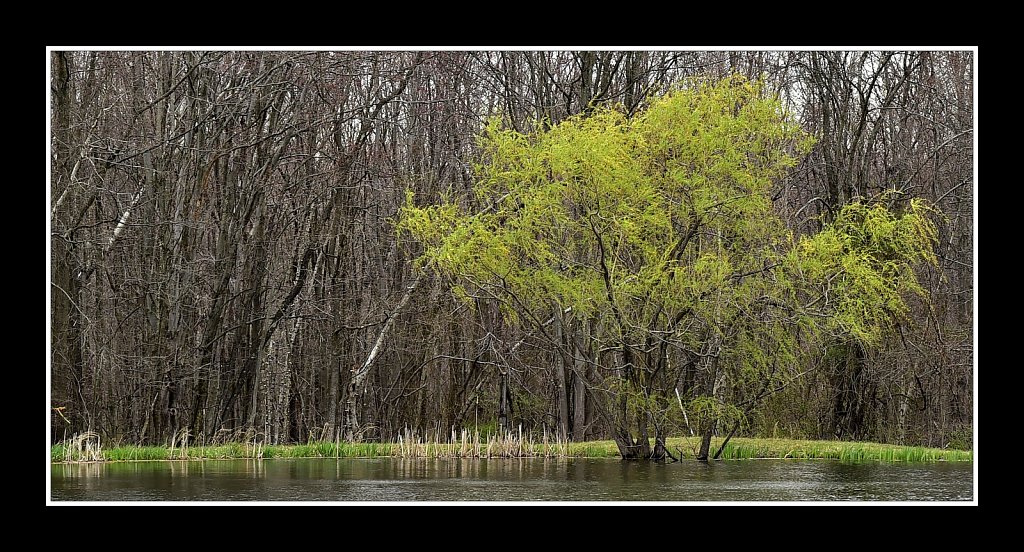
(359, 374)
(124, 219)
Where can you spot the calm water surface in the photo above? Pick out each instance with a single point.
(388, 479)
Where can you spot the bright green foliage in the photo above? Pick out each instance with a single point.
(707, 410)
(861, 265)
(602, 212)
(661, 228)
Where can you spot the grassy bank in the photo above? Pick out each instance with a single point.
(473, 446)
(746, 448)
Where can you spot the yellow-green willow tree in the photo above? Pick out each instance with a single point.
(658, 231)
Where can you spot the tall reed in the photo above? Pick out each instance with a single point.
(86, 447)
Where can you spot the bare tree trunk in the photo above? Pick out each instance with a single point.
(561, 390)
(66, 269)
(713, 386)
(630, 448)
(504, 404)
(359, 374)
(579, 395)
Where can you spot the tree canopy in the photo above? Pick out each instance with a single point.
(659, 230)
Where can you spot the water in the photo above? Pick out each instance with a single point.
(389, 479)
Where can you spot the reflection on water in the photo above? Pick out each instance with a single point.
(527, 479)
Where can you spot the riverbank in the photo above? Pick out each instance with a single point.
(469, 446)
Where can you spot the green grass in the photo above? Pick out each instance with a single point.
(468, 445)
(746, 448)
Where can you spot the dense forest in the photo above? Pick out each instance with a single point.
(265, 245)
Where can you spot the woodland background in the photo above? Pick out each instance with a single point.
(223, 253)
